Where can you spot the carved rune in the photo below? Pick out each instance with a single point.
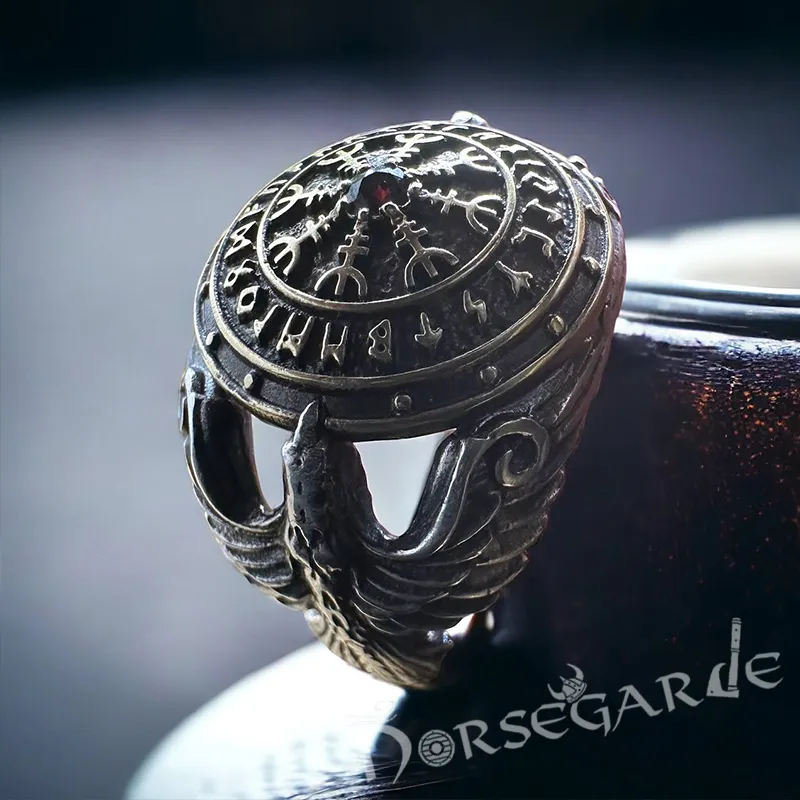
(289, 245)
(355, 245)
(240, 239)
(409, 144)
(519, 280)
(410, 236)
(296, 193)
(471, 207)
(237, 276)
(476, 307)
(525, 232)
(344, 160)
(477, 159)
(295, 342)
(542, 182)
(380, 341)
(428, 336)
(553, 214)
(335, 351)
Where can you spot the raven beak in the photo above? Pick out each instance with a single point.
(310, 425)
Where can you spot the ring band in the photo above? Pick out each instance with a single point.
(420, 278)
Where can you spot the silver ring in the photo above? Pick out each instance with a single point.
(419, 278)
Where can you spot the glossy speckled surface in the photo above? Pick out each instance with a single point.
(686, 492)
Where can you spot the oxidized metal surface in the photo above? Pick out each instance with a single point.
(405, 275)
(414, 279)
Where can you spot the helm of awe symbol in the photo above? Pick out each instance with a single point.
(400, 258)
(376, 201)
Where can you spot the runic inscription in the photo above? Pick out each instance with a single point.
(387, 253)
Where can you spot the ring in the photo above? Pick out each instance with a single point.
(421, 278)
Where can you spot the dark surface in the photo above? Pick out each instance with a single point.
(118, 615)
(47, 43)
(675, 542)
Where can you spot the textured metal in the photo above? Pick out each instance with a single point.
(419, 278)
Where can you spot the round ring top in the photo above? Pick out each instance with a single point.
(407, 275)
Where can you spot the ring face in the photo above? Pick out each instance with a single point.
(408, 276)
(423, 277)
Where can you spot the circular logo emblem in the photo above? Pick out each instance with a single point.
(436, 748)
(394, 273)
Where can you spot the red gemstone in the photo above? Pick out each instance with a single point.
(381, 193)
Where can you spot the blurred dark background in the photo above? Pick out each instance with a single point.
(130, 134)
(48, 44)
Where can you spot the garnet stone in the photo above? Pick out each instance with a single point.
(379, 186)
